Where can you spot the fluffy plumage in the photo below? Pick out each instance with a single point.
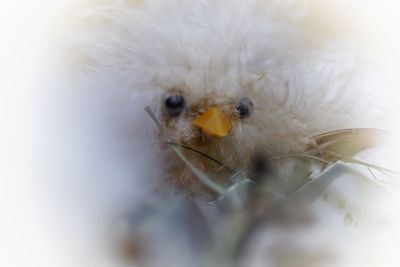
(214, 53)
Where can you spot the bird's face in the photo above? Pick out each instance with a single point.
(216, 122)
(213, 121)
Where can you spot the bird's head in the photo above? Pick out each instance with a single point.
(224, 89)
(230, 78)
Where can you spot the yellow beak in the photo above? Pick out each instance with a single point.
(213, 122)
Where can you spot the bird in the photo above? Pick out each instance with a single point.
(235, 86)
(196, 98)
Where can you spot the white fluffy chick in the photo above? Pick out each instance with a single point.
(236, 80)
(239, 86)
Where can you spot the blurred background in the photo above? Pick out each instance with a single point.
(29, 32)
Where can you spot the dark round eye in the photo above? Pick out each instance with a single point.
(174, 105)
(244, 107)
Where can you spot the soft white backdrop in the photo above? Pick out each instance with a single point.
(27, 28)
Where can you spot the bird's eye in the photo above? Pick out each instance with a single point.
(175, 105)
(244, 107)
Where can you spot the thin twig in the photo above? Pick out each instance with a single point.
(361, 162)
(201, 153)
(299, 155)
